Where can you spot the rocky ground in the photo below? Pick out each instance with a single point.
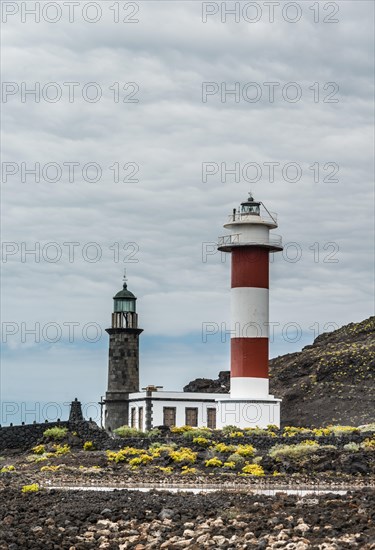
(54, 516)
(129, 519)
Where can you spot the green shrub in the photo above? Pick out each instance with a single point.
(352, 447)
(259, 431)
(198, 432)
(367, 427)
(162, 447)
(154, 433)
(280, 452)
(88, 446)
(272, 428)
(237, 459)
(33, 488)
(127, 431)
(342, 430)
(56, 433)
(227, 430)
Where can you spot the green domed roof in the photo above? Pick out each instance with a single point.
(125, 293)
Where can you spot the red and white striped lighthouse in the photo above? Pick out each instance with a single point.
(250, 244)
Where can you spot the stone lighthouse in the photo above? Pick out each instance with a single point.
(249, 243)
(123, 364)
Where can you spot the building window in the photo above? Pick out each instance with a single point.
(211, 418)
(140, 418)
(132, 417)
(169, 416)
(191, 416)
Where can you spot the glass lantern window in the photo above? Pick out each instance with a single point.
(250, 209)
(124, 305)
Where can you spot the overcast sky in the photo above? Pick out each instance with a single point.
(168, 127)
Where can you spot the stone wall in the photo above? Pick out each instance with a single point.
(26, 436)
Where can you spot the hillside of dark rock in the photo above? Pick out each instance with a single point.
(329, 382)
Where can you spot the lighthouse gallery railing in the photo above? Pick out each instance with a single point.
(234, 239)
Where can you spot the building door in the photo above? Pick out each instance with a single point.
(140, 418)
(191, 416)
(211, 418)
(169, 416)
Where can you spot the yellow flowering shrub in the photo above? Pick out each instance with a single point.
(369, 444)
(245, 450)
(230, 465)
(236, 434)
(6, 469)
(320, 432)
(184, 454)
(61, 449)
(123, 454)
(88, 446)
(342, 430)
(165, 469)
(39, 449)
(223, 448)
(213, 463)
(291, 431)
(201, 441)
(142, 459)
(33, 488)
(253, 469)
(180, 429)
(49, 468)
(186, 470)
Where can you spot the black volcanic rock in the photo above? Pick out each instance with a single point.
(220, 385)
(329, 382)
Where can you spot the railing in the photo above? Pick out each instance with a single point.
(235, 240)
(229, 239)
(239, 217)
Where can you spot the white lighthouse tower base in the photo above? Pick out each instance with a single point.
(248, 413)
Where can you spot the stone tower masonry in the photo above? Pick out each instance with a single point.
(123, 363)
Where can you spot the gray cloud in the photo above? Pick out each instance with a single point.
(170, 212)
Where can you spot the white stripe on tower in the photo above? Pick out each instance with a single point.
(249, 311)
